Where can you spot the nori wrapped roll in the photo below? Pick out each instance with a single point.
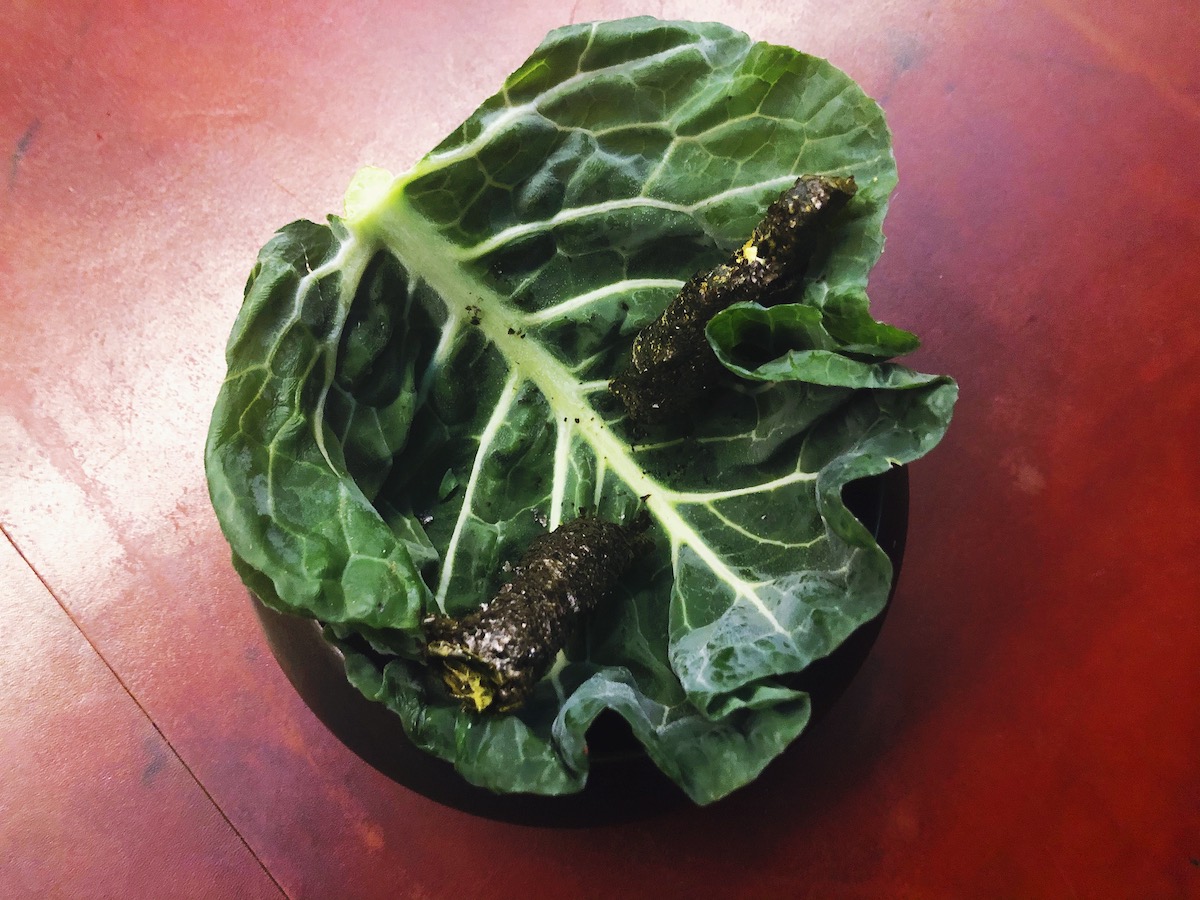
(492, 657)
(672, 365)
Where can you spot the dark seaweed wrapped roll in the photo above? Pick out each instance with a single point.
(492, 657)
(672, 365)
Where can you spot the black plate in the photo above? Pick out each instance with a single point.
(623, 784)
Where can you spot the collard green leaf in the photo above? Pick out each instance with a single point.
(794, 342)
(418, 390)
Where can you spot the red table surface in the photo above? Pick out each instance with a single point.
(1027, 725)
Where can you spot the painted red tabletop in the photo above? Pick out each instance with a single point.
(1027, 724)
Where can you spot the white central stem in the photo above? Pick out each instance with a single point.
(427, 254)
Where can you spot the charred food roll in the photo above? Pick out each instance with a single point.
(672, 366)
(492, 657)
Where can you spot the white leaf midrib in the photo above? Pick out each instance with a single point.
(495, 422)
(429, 256)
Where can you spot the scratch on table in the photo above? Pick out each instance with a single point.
(1126, 59)
(279, 184)
(157, 760)
(22, 148)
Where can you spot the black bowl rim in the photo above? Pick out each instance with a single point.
(622, 785)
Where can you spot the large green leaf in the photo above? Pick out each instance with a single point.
(417, 390)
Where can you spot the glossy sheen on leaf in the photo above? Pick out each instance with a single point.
(419, 390)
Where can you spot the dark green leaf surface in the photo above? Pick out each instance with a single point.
(419, 389)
